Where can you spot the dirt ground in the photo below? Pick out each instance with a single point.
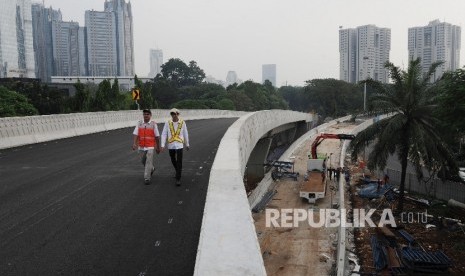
(301, 250)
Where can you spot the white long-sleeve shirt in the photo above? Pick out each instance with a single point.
(166, 135)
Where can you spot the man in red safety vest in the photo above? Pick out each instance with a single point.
(147, 140)
(175, 131)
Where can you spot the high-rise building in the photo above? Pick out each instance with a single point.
(65, 38)
(83, 64)
(438, 41)
(269, 73)
(156, 61)
(102, 55)
(42, 19)
(124, 35)
(16, 42)
(231, 78)
(363, 53)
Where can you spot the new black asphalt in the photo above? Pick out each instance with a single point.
(78, 206)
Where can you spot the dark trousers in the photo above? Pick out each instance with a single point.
(176, 160)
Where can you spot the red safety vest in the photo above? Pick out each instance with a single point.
(147, 134)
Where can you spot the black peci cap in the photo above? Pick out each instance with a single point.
(147, 111)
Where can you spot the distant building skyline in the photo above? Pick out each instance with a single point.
(437, 41)
(65, 39)
(156, 61)
(124, 35)
(363, 53)
(102, 56)
(16, 41)
(231, 78)
(42, 20)
(269, 73)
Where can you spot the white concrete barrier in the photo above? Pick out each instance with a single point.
(228, 242)
(342, 237)
(18, 131)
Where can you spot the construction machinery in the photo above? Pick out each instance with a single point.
(314, 186)
(321, 137)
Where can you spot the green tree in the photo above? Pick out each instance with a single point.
(195, 74)
(191, 104)
(114, 96)
(14, 104)
(452, 106)
(82, 99)
(411, 132)
(165, 92)
(175, 70)
(256, 92)
(333, 98)
(145, 90)
(295, 97)
(241, 101)
(452, 100)
(181, 74)
(226, 104)
(102, 100)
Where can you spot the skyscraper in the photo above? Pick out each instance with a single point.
(102, 56)
(156, 61)
(269, 73)
(124, 35)
(65, 38)
(231, 78)
(83, 64)
(435, 42)
(42, 19)
(16, 42)
(363, 53)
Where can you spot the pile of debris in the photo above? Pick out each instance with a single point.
(391, 256)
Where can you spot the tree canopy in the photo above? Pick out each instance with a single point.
(411, 132)
(182, 74)
(14, 104)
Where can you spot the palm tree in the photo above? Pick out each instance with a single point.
(411, 131)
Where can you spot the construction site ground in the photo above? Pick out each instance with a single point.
(301, 250)
(304, 250)
(445, 235)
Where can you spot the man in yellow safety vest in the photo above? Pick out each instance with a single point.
(175, 131)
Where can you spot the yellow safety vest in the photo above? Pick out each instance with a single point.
(175, 134)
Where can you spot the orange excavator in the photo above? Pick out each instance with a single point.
(320, 138)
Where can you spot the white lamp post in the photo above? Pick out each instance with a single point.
(365, 85)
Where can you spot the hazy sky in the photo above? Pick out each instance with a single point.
(299, 36)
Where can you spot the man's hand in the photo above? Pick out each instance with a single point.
(134, 147)
(162, 149)
(157, 150)
(187, 148)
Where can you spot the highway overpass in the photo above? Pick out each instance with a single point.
(78, 205)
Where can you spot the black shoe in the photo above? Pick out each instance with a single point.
(147, 181)
(178, 182)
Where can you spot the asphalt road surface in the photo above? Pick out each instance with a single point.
(78, 206)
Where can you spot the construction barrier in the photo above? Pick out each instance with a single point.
(228, 242)
(18, 131)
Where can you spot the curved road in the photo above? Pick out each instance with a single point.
(78, 206)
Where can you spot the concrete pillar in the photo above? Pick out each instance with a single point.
(302, 128)
(257, 159)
